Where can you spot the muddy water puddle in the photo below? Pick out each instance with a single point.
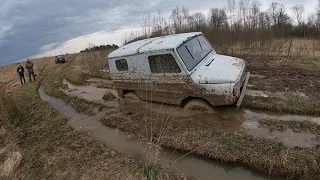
(228, 119)
(233, 120)
(90, 93)
(188, 165)
(288, 137)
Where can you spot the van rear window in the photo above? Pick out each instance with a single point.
(122, 65)
(164, 63)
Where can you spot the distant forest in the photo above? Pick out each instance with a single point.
(92, 48)
(239, 20)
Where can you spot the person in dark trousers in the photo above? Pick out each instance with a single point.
(29, 67)
(20, 71)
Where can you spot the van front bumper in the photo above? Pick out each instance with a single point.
(243, 91)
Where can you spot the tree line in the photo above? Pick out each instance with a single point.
(238, 21)
(93, 48)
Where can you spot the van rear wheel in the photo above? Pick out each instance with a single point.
(132, 97)
(198, 105)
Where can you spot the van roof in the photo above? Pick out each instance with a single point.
(152, 44)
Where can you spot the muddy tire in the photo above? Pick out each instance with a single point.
(198, 105)
(132, 97)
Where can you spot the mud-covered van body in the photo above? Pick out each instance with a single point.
(181, 69)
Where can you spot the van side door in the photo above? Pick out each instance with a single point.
(167, 78)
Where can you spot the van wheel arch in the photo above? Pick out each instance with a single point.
(131, 96)
(191, 103)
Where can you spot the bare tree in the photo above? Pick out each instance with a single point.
(191, 23)
(274, 12)
(311, 20)
(185, 17)
(255, 11)
(279, 17)
(159, 24)
(146, 24)
(243, 7)
(231, 7)
(218, 18)
(318, 17)
(177, 19)
(298, 11)
(199, 20)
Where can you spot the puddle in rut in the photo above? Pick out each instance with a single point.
(227, 118)
(90, 93)
(234, 120)
(288, 137)
(190, 166)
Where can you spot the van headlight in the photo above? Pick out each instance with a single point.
(238, 84)
(236, 88)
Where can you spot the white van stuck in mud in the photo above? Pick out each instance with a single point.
(181, 69)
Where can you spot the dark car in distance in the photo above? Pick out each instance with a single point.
(60, 59)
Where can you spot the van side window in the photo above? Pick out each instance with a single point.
(163, 63)
(122, 65)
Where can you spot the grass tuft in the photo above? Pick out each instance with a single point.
(296, 126)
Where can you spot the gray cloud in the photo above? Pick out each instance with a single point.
(28, 25)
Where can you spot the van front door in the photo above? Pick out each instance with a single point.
(167, 79)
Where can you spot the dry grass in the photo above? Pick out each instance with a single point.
(49, 145)
(278, 47)
(10, 164)
(109, 96)
(10, 153)
(290, 105)
(258, 153)
(296, 126)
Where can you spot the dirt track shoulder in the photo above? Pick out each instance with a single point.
(52, 149)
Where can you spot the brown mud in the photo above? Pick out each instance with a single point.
(300, 74)
(170, 126)
(186, 164)
(227, 119)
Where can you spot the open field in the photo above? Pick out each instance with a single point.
(41, 144)
(37, 143)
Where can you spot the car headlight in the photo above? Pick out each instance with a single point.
(238, 84)
(236, 88)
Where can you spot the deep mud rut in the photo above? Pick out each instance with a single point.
(186, 164)
(228, 119)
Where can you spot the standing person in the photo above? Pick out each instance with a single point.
(29, 66)
(20, 71)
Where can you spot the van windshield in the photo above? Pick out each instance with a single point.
(193, 51)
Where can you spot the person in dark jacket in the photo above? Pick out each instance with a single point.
(20, 71)
(29, 66)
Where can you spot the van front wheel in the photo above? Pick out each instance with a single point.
(198, 105)
(132, 97)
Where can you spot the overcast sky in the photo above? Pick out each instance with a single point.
(30, 28)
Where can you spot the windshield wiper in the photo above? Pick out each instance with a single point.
(189, 52)
(200, 44)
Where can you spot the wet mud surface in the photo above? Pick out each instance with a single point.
(227, 119)
(186, 164)
(91, 93)
(274, 77)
